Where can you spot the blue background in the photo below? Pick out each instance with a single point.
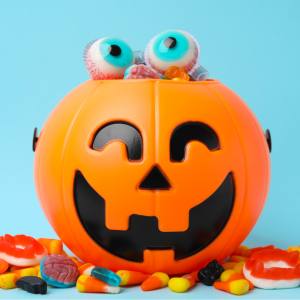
(251, 46)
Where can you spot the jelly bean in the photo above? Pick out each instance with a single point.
(156, 281)
(210, 273)
(21, 250)
(59, 271)
(182, 284)
(89, 284)
(176, 72)
(139, 72)
(235, 287)
(53, 246)
(3, 266)
(32, 284)
(8, 281)
(129, 278)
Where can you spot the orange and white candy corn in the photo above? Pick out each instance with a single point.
(156, 281)
(129, 278)
(53, 246)
(235, 287)
(89, 284)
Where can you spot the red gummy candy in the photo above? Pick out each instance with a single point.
(141, 71)
(21, 249)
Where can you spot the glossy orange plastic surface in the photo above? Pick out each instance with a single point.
(155, 107)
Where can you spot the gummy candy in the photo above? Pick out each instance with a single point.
(32, 284)
(210, 273)
(59, 271)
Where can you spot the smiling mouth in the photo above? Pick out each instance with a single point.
(206, 221)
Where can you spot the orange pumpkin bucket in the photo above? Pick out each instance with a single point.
(152, 175)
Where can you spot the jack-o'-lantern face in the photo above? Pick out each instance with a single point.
(152, 174)
(201, 220)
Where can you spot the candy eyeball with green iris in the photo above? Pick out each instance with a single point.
(172, 48)
(108, 58)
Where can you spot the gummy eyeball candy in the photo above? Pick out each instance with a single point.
(108, 58)
(172, 48)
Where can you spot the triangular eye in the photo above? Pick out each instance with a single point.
(155, 180)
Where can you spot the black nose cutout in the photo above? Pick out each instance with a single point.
(155, 180)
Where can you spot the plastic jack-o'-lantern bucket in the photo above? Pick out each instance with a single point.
(152, 175)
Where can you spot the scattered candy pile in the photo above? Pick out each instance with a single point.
(32, 265)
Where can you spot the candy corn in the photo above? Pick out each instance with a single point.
(235, 287)
(230, 275)
(103, 274)
(3, 266)
(86, 269)
(89, 284)
(293, 248)
(38, 269)
(129, 278)
(8, 281)
(32, 271)
(156, 281)
(182, 284)
(237, 258)
(53, 246)
(236, 266)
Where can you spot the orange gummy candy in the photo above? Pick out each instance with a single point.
(177, 73)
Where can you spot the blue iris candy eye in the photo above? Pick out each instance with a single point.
(116, 52)
(108, 58)
(172, 48)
